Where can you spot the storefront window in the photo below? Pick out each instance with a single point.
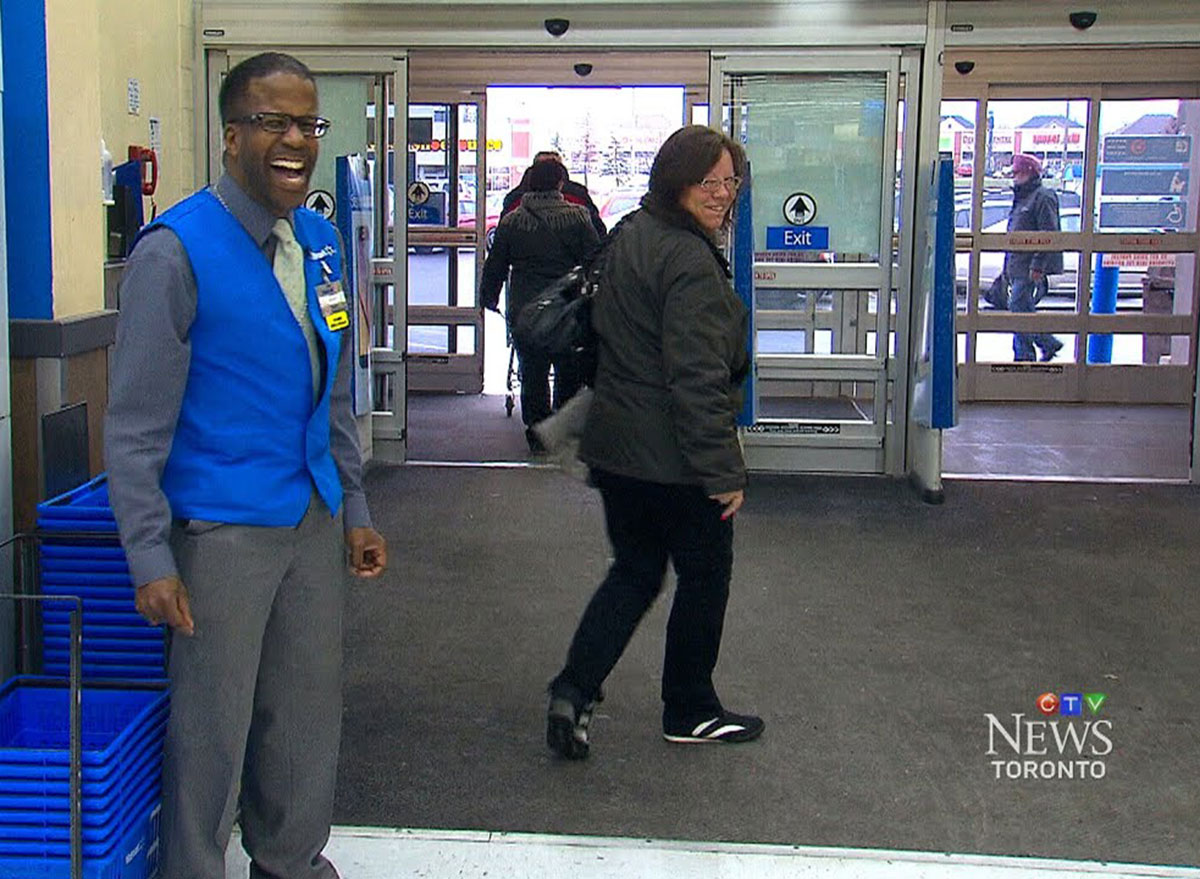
(1148, 167)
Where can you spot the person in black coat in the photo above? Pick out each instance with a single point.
(1035, 209)
(661, 441)
(576, 193)
(540, 241)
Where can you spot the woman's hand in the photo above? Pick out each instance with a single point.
(730, 500)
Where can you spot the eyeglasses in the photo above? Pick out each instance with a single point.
(281, 123)
(712, 184)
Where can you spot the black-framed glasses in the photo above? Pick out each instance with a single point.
(712, 184)
(281, 123)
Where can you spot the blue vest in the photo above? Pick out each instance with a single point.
(249, 444)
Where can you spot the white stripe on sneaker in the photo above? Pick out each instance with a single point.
(698, 732)
(728, 728)
(707, 732)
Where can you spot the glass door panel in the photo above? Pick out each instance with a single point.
(815, 142)
(821, 136)
(1112, 322)
(445, 326)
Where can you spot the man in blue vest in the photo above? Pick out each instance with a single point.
(236, 480)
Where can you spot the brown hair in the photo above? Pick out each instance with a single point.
(545, 175)
(685, 158)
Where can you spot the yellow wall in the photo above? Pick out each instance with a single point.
(76, 216)
(160, 55)
(93, 48)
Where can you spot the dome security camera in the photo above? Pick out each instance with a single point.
(964, 67)
(556, 27)
(1082, 20)
(583, 69)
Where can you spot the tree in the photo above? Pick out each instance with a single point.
(616, 161)
(588, 148)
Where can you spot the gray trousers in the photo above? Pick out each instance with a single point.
(256, 703)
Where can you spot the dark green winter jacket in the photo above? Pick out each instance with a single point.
(672, 357)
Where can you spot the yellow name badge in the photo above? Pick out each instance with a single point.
(332, 300)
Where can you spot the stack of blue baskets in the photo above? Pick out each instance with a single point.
(122, 771)
(117, 643)
(124, 711)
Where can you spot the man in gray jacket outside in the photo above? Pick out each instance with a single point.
(1035, 209)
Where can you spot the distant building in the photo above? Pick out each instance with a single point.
(1152, 123)
(956, 135)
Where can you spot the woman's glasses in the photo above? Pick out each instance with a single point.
(712, 184)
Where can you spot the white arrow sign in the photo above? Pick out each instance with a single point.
(321, 202)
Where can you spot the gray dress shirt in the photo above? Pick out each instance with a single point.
(148, 375)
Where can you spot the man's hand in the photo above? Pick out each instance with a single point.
(368, 552)
(165, 600)
(730, 500)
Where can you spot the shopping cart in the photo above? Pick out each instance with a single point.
(512, 381)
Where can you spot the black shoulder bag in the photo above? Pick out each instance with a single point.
(558, 322)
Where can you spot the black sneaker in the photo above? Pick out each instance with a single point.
(567, 726)
(723, 727)
(1050, 350)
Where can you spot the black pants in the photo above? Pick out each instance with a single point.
(648, 523)
(535, 384)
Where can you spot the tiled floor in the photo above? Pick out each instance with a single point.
(1069, 441)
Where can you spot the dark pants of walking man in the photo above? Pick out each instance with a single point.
(1026, 294)
(535, 384)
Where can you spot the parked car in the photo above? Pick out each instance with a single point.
(495, 203)
(620, 203)
(1062, 286)
(997, 204)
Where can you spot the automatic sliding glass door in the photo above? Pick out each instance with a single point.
(821, 134)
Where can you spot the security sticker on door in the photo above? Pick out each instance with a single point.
(332, 300)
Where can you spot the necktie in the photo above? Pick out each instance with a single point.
(289, 271)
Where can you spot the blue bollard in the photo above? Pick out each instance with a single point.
(1104, 301)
